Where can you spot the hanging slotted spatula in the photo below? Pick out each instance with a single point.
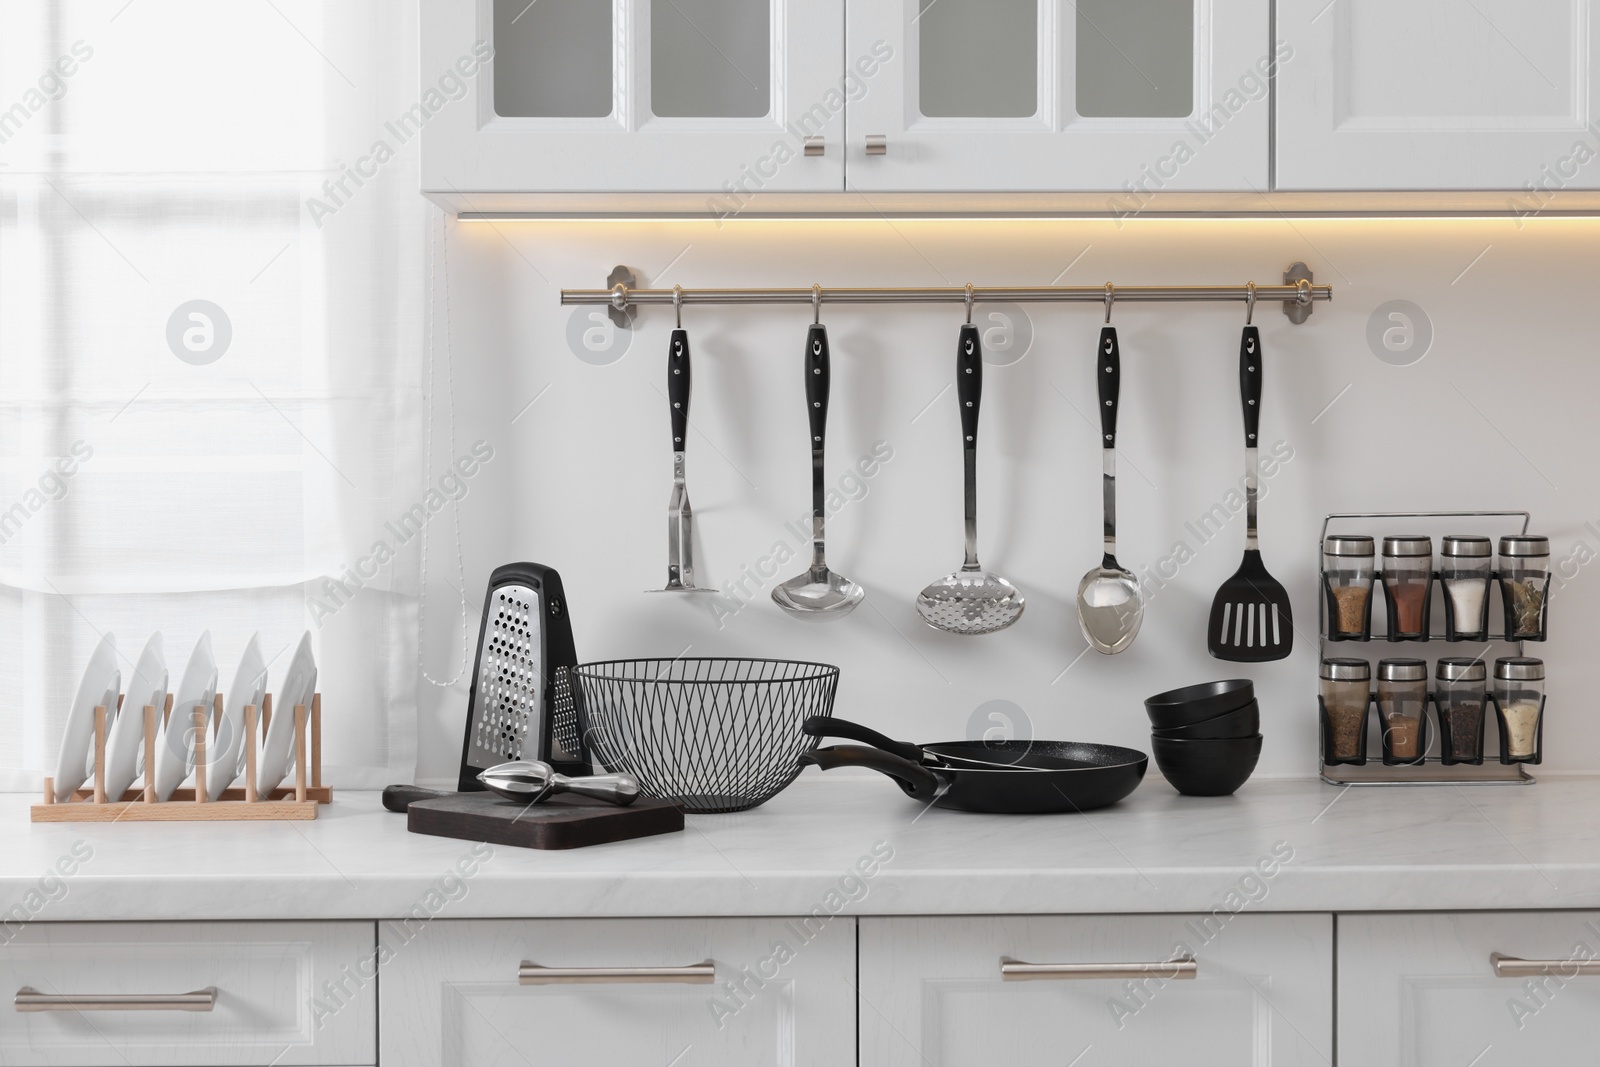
(680, 519)
(1250, 619)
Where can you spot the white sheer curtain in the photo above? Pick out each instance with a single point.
(158, 152)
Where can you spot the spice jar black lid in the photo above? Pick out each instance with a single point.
(1347, 545)
(1461, 669)
(1408, 545)
(1465, 545)
(1403, 670)
(1519, 669)
(1346, 670)
(1525, 545)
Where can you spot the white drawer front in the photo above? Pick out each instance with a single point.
(1421, 990)
(286, 993)
(452, 995)
(932, 994)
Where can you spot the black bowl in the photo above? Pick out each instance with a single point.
(1206, 768)
(1230, 725)
(1196, 703)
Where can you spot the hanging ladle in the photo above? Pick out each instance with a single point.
(1110, 604)
(817, 593)
(971, 600)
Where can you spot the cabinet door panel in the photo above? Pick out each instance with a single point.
(1437, 94)
(451, 994)
(1420, 990)
(1051, 95)
(713, 96)
(932, 993)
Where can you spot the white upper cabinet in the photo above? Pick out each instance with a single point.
(631, 95)
(1437, 94)
(1048, 96)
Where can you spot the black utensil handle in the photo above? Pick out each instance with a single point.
(398, 798)
(1250, 383)
(818, 373)
(915, 779)
(969, 382)
(678, 387)
(825, 726)
(1109, 376)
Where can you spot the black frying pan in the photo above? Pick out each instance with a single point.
(1021, 777)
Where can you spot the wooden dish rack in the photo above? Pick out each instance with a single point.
(185, 805)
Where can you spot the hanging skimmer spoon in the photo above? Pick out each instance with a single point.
(970, 601)
(1110, 604)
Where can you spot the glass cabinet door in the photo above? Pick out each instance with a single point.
(721, 97)
(1132, 97)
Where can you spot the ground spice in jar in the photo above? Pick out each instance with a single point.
(1350, 604)
(1466, 600)
(1466, 721)
(1403, 733)
(1408, 599)
(1346, 694)
(1522, 727)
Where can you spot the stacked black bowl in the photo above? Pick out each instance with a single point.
(1206, 737)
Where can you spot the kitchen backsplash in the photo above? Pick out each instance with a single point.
(1460, 397)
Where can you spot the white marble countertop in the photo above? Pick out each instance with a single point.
(1352, 849)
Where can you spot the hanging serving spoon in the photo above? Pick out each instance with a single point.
(817, 594)
(970, 601)
(1110, 604)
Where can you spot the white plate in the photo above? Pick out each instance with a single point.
(126, 743)
(249, 687)
(299, 682)
(175, 750)
(101, 682)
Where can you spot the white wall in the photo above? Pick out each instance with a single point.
(1500, 414)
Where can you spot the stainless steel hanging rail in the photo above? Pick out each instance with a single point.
(621, 295)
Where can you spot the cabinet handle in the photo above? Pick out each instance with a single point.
(815, 145)
(1017, 971)
(704, 973)
(877, 144)
(30, 999)
(1516, 967)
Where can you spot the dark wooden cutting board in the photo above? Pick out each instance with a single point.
(560, 822)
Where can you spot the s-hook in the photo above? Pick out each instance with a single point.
(816, 304)
(1249, 303)
(969, 303)
(677, 304)
(1111, 296)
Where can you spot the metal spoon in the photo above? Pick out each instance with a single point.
(533, 781)
(817, 593)
(1110, 605)
(970, 601)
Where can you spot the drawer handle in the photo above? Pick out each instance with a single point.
(704, 973)
(30, 999)
(1017, 971)
(1516, 967)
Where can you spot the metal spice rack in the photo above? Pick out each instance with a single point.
(298, 802)
(1431, 771)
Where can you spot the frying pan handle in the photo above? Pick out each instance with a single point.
(678, 386)
(823, 726)
(913, 778)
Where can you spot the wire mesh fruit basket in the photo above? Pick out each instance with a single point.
(714, 735)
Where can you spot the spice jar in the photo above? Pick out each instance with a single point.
(1402, 709)
(1346, 693)
(1465, 565)
(1525, 585)
(1407, 579)
(1347, 571)
(1459, 696)
(1519, 700)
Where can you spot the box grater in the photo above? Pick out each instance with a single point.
(521, 704)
